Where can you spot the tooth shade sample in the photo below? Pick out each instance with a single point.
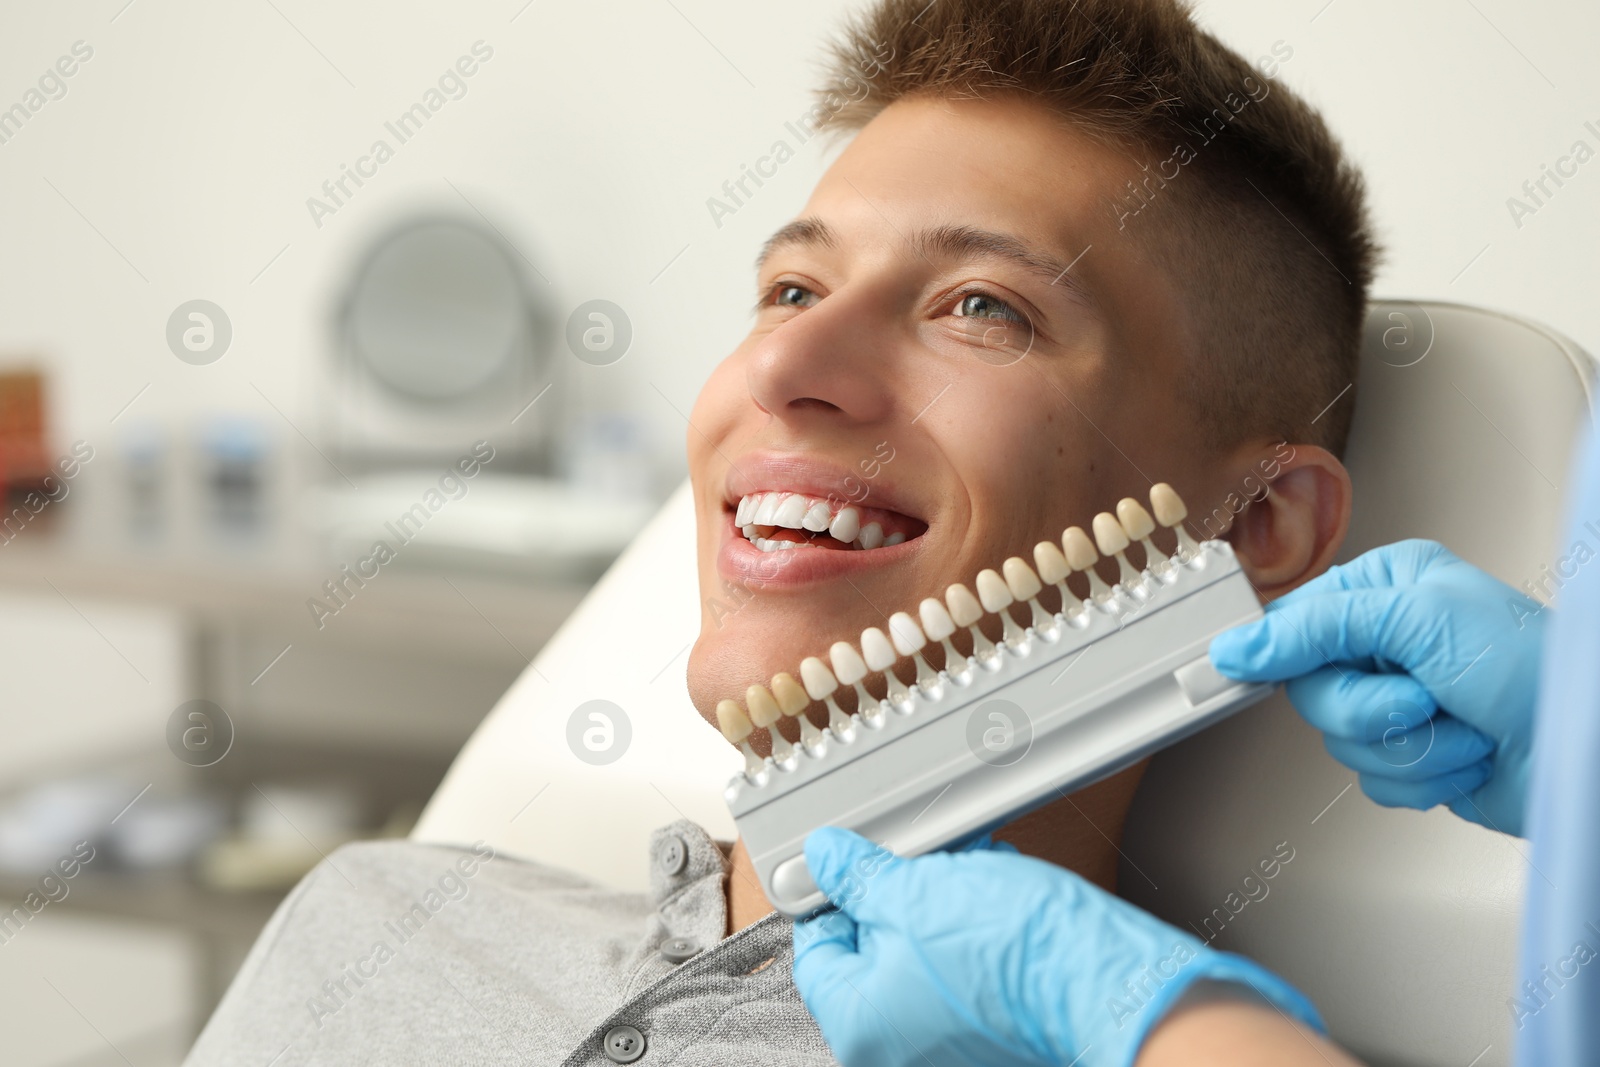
(936, 621)
(732, 721)
(845, 525)
(764, 711)
(848, 667)
(1051, 563)
(790, 512)
(964, 607)
(1079, 550)
(1109, 534)
(1020, 579)
(993, 593)
(893, 539)
(817, 678)
(876, 649)
(1135, 519)
(1167, 505)
(871, 535)
(907, 635)
(787, 692)
(741, 514)
(817, 517)
(1082, 557)
(766, 510)
(1170, 512)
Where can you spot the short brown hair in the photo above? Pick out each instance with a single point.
(1270, 223)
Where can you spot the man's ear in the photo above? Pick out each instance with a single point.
(1292, 533)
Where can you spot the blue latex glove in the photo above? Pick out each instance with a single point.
(987, 956)
(1421, 671)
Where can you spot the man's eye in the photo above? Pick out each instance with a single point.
(984, 306)
(788, 295)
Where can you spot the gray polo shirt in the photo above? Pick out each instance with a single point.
(396, 953)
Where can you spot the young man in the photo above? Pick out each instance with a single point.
(1074, 247)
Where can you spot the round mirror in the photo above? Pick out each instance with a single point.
(438, 311)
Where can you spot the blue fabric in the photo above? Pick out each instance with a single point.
(987, 956)
(1556, 1005)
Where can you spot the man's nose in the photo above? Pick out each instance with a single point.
(835, 361)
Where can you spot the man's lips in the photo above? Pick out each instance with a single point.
(792, 518)
(781, 521)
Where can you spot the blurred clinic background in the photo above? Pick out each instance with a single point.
(241, 343)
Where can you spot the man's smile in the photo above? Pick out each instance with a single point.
(792, 518)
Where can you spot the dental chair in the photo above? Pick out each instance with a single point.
(1400, 925)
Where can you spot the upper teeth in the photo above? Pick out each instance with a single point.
(796, 511)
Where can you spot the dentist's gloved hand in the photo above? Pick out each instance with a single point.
(987, 956)
(1421, 671)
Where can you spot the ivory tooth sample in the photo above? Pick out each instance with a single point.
(792, 699)
(995, 596)
(908, 640)
(850, 669)
(1170, 512)
(820, 684)
(1082, 557)
(764, 715)
(880, 655)
(1113, 541)
(1053, 568)
(1137, 521)
(1025, 586)
(938, 625)
(966, 611)
(817, 517)
(735, 726)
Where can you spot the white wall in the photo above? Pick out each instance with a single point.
(1447, 107)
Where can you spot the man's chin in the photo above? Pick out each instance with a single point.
(723, 664)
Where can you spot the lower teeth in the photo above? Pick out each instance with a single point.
(767, 544)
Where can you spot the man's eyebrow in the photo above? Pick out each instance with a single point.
(950, 242)
(805, 232)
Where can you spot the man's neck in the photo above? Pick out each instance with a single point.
(746, 901)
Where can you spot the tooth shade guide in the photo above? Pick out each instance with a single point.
(881, 649)
(1085, 726)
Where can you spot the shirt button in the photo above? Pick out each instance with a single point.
(673, 855)
(678, 949)
(623, 1044)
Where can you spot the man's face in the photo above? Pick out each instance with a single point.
(922, 354)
